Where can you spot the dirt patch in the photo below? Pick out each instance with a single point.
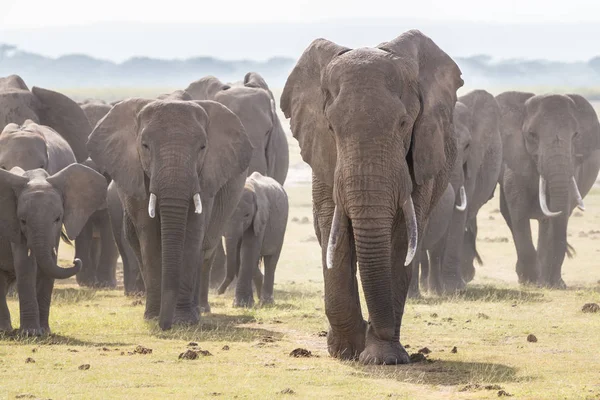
(25, 396)
(225, 348)
(191, 354)
(84, 367)
(504, 393)
(417, 357)
(483, 316)
(192, 344)
(471, 387)
(136, 303)
(287, 391)
(142, 350)
(531, 338)
(29, 360)
(425, 351)
(301, 353)
(454, 350)
(322, 334)
(590, 308)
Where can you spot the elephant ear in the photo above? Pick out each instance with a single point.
(302, 101)
(255, 80)
(176, 95)
(66, 117)
(113, 146)
(512, 117)
(438, 78)
(206, 88)
(228, 150)
(11, 183)
(483, 123)
(588, 139)
(262, 207)
(12, 82)
(83, 191)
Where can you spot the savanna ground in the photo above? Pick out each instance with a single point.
(92, 351)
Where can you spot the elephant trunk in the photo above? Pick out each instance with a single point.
(45, 256)
(555, 185)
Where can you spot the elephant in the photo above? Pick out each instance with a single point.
(44, 107)
(179, 167)
(253, 102)
(431, 249)
(474, 177)
(132, 277)
(34, 205)
(95, 110)
(375, 125)
(551, 159)
(256, 231)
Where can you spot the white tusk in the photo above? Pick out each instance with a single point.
(543, 204)
(463, 199)
(197, 203)
(54, 252)
(152, 205)
(411, 229)
(28, 252)
(333, 236)
(580, 204)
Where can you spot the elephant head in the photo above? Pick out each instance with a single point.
(44, 107)
(95, 111)
(549, 136)
(24, 146)
(34, 206)
(171, 153)
(375, 124)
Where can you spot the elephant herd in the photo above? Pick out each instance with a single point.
(188, 187)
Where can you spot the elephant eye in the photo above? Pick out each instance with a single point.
(202, 147)
(3, 167)
(575, 135)
(23, 222)
(57, 220)
(144, 145)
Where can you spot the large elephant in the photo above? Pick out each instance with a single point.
(551, 160)
(253, 102)
(179, 167)
(375, 125)
(95, 110)
(33, 207)
(44, 107)
(474, 177)
(254, 232)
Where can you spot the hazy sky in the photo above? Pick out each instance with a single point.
(40, 13)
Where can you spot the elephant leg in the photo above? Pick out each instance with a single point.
(217, 269)
(250, 257)
(106, 272)
(378, 351)
(436, 255)
(413, 289)
(452, 279)
(5, 325)
(131, 257)
(527, 267)
(258, 279)
(83, 251)
(26, 271)
(45, 286)
(270, 262)
(347, 331)
(424, 272)
(551, 251)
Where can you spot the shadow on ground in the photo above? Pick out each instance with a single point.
(217, 327)
(442, 373)
(54, 340)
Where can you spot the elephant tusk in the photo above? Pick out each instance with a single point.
(463, 199)
(152, 205)
(333, 236)
(580, 204)
(411, 229)
(54, 252)
(543, 204)
(197, 203)
(28, 252)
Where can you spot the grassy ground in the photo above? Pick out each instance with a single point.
(488, 324)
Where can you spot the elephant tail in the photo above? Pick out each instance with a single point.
(570, 251)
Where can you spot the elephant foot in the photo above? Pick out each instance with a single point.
(106, 284)
(244, 302)
(33, 332)
(205, 308)
(468, 273)
(151, 314)
(555, 284)
(86, 281)
(414, 294)
(5, 327)
(267, 301)
(383, 352)
(187, 317)
(453, 285)
(349, 346)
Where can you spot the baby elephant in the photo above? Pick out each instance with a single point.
(33, 208)
(255, 230)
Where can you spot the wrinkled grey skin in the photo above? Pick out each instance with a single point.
(132, 275)
(431, 248)
(557, 137)
(33, 208)
(44, 107)
(254, 232)
(353, 113)
(176, 149)
(479, 160)
(95, 245)
(253, 102)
